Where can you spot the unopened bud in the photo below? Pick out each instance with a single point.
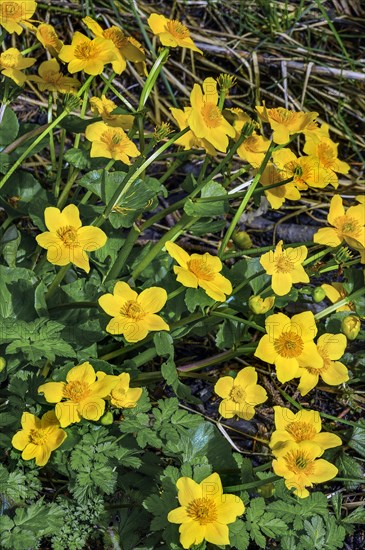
(350, 326)
(162, 131)
(261, 305)
(226, 81)
(318, 294)
(107, 419)
(267, 490)
(2, 364)
(242, 240)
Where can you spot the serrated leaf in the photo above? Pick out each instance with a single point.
(357, 441)
(238, 535)
(315, 533)
(356, 517)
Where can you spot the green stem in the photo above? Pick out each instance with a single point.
(152, 77)
(217, 359)
(51, 138)
(343, 302)
(237, 319)
(56, 281)
(251, 485)
(57, 183)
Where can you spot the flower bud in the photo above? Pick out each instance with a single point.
(242, 240)
(350, 326)
(318, 294)
(261, 305)
(107, 419)
(2, 364)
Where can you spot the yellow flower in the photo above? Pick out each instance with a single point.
(134, 315)
(330, 347)
(285, 267)
(11, 64)
(38, 437)
(126, 47)
(171, 32)
(336, 292)
(305, 171)
(88, 55)
(205, 511)
(47, 36)
(253, 149)
(110, 142)
(122, 396)
(289, 343)
(325, 150)
(104, 108)
(84, 395)
(284, 122)
(67, 241)
(305, 425)
(189, 140)
(347, 226)
(261, 305)
(15, 12)
(277, 195)
(240, 395)
(206, 119)
(200, 270)
(300, 468)
(52, 80)
(238, 118)
(350, 326)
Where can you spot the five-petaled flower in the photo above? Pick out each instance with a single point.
(240, 394)
(285, 267)
(300, 467)
(200, 270)
(134, 315)
(347, 226)
(47, 36)
(14, 13)
(205, 511)
(122, 396)
(110, 142)
(289, 344)
(87, 55)
(12, 63)
(104, 108)
(81, 396)
(304, 425)
(67, 241)
(171, 32)
(330, 347)
(38, 437)
(52, 80)
(284, 122)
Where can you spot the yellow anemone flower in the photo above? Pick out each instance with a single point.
(134, 315)
(52, 80)
(300, 468)
(201, 270)
(15, 12)
(171, 32)
(189, 140)
(206, 119)
(253, 149)
(277, 195)
(38, 437)
(84, 395)
(284, 122)
(336, 292)
(325, 150)
(11, 64)
(87, 55)
(122, 396)
(67, 241)
(285, 267)
(47, 36)
(104, 108)
(305, 425)
(205, 511)
(240, 394)
(305, 171)
(347, 226)
(330, 347)
(289, 343)
(110, 142)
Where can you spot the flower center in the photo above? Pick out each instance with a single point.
(113, 138)
(118, 394)
(281, 115)
(37, 437)
(200, 268)
(177, 29)
(53, 77)
(8, 60)
(116, 36)
(348, 226)
(289, 344)
(299, 462)
(49, 37)
(238, 395)
(283, 264)
(301, 431)
(202, 510)
(132, 309)
(76, 390)
(326, 154)
(211, 115)
(86, 51)
(12, 10)
(68, 236)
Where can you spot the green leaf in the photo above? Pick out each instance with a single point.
(79, 158)
(9, 245)
(259, 282)
(357, 441)
(315, 533)
(196, 207)
(350, 468)
(197, 297)
(238, 535)
(9, 127)
(356, 517)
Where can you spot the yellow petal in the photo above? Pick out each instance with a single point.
(186, 277)
(155, 322)
(84, 372)
(67, 413)
(229, 508)
(286, 368)
(283, 417)
(334, 345)
(191, 533)
(304, 325)
(30, 451)
(229, 408)
(246, 377)
(53, 391)
(123, 290)
(336, 209)
(308, 381)
(152, 299)
(53, 218)
(177, 253)
(91, 238)
(223, 386)
(255, 394)
(188, 489)
(178, 515)
(92, 408)
(157, 23)
(49, 421)
(336, 374)
(30, 422)
(20, 440)
(79, 257)
(95, 28)
(327, 236)
(323, 471)
(327, 440)
(42, 455)
(111, 304)
(211, 487)
(216, 533)
(266, 350)
(310, 357)
(281, 283)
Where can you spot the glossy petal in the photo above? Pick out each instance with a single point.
(84, 372)
(223, 386)
(211, 487)
(53, 391)
(327, 440)
(333, 344)
(266, 350)
(191, 533)
(152, 299)
(246, 377)
(91, 238)
(336, 374)
(72, 215)
(125, 291)
(287, 368)
(30, 421)
(327, 236)
(216, 533)
(310, 356)
(111, 304)
(155, 322)
(177, 253)
(323, 471)
(20, 440)
(67, 413)
(229, 508)
(42, 455)
(178, 515)
(92, 408)
(281, 283)
(188, 490)
(186, 277)
(30, 451)
(304, 325)
(255, 395)
(283, 416)
(308, 381)
(157, 23)
(212, 290)
(336, 209)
